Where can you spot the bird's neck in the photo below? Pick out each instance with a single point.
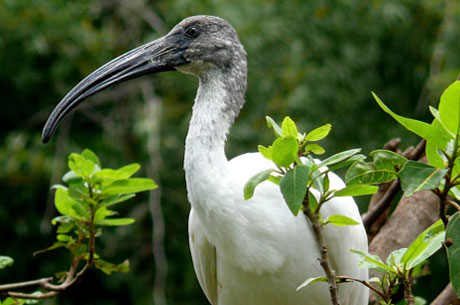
(218, 101)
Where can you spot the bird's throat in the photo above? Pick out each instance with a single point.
(216, 107)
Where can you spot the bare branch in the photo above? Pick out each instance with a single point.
(39, 282)
(447, 296)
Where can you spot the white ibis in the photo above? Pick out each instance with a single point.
(251, 252)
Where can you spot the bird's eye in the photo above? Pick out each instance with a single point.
(192, 32)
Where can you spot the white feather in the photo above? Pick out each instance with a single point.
(256, 252)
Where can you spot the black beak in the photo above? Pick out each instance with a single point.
(160, 55)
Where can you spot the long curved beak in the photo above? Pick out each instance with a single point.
(157, 56)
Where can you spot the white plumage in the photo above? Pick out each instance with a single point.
(256, 252)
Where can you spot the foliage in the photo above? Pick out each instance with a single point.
(304, 183)
(85, 206)
(299, 174)
(443, 138)
(399, 267)
(441, 178)
(452, 244)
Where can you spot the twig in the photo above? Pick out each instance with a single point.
(21, 295)
(370, 216)
(13, 286)
(324, 261)
(346, 279)
(71, 278)
(407, 283)
(454, 204)
(45, 283)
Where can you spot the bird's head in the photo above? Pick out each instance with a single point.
(197, 45)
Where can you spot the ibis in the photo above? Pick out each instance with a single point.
(244, 252)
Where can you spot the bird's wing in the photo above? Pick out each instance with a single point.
(203, 257)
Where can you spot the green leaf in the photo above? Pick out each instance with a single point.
(70, 176)
(288, 128)
(425, 245)
(128, 186)
(111, 175)
(65, 227)
(449, 107)
(294, 186)
(420, 128)
(383, 168)
(318, 181)
(371, 261)
(102, 212)
(416, 176)
(116, 199)
(452, 246)
(115, 222)
(455, 192)
(90, 155)
(265, 151)
(108, 268)
(318, 133)
(312, 201)
(78, 190)
(11, 301)
(314, 148)
(275, 179)
(311, 281)
(5, 261)
(340, 157)
(441, 125)
(433, 154)
(80, 165)
(272, 124)
(52, 247)
(417, 301)
(340, 221)
(357, 190)
(63, 237)
(326, 182)
(394, 259)
(67, 205)
(346, 162)
(254, 181)
(284, 151)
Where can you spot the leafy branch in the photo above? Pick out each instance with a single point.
(304, 182)
(85, 207)
(441, 175)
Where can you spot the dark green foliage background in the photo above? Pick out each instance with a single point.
(315, 61)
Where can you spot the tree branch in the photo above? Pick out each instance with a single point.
(447, 296)
(324, 261)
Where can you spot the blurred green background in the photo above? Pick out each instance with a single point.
(316, 61)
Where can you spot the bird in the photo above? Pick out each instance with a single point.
(244, 252)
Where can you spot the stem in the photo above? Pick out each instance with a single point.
(71, 278)
(25, 284)
(92, 242)
(408, 290)
(454, 204)
(324, 261)
(346, 279)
